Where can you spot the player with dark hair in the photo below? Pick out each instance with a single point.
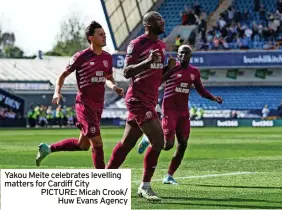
(143, 65)
(178, 82)
(93, 68)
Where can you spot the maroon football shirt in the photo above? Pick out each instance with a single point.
(144, 86)
(178, 85)
(91, 73)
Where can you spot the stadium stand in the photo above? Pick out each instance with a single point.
(240, 98)
(247, 92)
(178, 6)
(245, 25)
(48, 69)
(235, 98)
(241, 26)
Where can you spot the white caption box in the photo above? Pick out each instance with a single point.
(65, 189)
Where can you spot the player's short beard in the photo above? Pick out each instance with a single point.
(184, 60)
(159, 31)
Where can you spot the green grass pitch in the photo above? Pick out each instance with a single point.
(223, 168)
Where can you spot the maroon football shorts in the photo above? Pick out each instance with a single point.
(140, 113)
(88, 119)
(176, 122)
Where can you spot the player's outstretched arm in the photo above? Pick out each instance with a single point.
(59, 84)
(134, 69)
(71, 67)
(166, 73)
(203, 91)
(112, 85)
(167, 70)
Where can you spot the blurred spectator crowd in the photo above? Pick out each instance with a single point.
(254, 28)
(6, 113)
(43, 116)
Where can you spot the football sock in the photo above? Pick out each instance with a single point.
(118, 156)
(145, 184)
(150, 163)
(98, 157)
(66, 145)
(177, 158)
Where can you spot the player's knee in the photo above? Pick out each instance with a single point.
(158, 146)
(96, 142)
(182, 146)
(128, 144)
(158, 143)
(168, 145)
(84, 147)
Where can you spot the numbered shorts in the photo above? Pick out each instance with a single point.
(88, 119)
(140, 114)
(176, 122)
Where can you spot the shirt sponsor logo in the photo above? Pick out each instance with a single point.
(156, 66)
(99, 73)
(183, 88)
(158, 63)
(91, 63)
(98, 79)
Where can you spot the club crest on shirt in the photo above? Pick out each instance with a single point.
(92, 129)
(179, 75)
(105, 63)
(166, 131)
(91, 63)
(149, 114)
(130, 49)
(192, 76)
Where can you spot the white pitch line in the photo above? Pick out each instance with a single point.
(185, 177)
(61, 167)
(205, 176)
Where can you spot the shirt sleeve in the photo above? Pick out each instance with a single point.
(132, 55)
(200, 88)
(73, 63)
(110, 64)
